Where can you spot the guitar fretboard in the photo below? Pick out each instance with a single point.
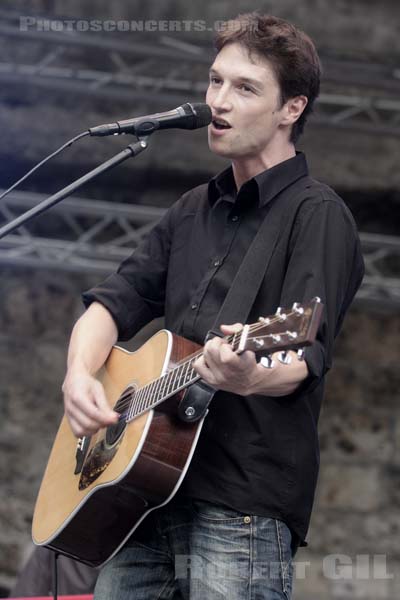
(283, 331)
(155, 392)
(162, 388)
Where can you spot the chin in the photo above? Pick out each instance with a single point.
(220, 150)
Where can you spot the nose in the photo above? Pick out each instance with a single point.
(219, 98)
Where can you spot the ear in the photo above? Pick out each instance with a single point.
(293, 109)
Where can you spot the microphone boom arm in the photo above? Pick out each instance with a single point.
(131, 150)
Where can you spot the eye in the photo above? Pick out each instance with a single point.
(245, 88)
(215, 80)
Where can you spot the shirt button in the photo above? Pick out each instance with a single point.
(217, 263)
(234, 218)
(194, 306)
(247, 519)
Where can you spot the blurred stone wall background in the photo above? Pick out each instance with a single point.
(354, 547)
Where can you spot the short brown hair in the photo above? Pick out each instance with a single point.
(289, 50)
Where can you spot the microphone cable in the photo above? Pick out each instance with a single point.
(55, 576)
(36, 167)
(189, 116)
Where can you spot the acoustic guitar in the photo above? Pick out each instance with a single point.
(96, 491)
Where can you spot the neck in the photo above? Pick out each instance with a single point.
(244, 168)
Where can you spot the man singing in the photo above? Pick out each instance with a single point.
(245, 503)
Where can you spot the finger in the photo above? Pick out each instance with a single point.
(204, 371)
(82, 403)
(214, 344)
(212, 349)
(219, 354)
(235, 328)
(76, 428)
(211, 356)
(91, 401)
(106, 413)
(200, 366)
(216, 372)
(229, 358)
(82, 425)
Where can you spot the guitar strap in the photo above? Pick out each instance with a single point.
(245, 286)
(247, 282)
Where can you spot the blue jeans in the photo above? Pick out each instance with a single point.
(194, 550)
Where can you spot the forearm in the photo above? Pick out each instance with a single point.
(281, 379)
(92, 338)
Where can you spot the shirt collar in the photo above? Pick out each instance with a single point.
(263, 187)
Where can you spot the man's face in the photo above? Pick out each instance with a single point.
(243, 93)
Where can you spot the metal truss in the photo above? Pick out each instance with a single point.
(172, 69)
(91, 236)
(76, 235)
(381, 284)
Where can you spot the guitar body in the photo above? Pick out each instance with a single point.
(95, 492)
(123, 476)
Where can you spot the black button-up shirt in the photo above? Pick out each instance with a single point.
(256, 454)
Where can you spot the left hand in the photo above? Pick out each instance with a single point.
(223, 369)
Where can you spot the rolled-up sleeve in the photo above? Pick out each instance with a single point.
(135, 294)
(325, 261)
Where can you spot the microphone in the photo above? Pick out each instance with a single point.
(188, 116)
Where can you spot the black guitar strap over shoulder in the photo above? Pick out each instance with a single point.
(244, 289)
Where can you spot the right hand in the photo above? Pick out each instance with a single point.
(86, 406)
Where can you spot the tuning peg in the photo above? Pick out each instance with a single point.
(267, 362)
(264, 320)
(276, 338)
(259, 343)
(284, 357)
(292, 335)
(300, 353)
(296, 308)
(281, 316)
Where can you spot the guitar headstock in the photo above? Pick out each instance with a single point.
(287, 329)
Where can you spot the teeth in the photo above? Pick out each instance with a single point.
(221, 123)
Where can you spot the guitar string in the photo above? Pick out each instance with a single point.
(137, 404)
(127, 398)
(186, 360)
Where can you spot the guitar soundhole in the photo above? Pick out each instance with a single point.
(114, 432)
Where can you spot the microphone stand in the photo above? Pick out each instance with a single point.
(131, 150)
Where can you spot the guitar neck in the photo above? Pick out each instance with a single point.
(286, 330)
(155, 392)
(175, 380)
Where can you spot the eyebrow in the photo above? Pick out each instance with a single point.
(255, 82)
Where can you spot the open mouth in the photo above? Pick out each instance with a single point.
(221, 124)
